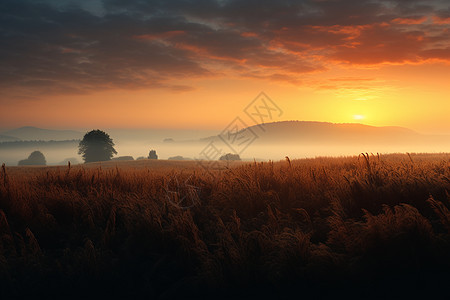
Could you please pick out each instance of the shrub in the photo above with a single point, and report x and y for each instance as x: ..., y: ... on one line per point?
x: 230, y: 156
x: 35, y: 158
x: 152, y: 154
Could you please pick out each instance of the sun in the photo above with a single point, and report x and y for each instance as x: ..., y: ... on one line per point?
x: 359, y: 117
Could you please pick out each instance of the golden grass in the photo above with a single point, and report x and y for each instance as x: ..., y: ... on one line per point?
x: 162, y: 228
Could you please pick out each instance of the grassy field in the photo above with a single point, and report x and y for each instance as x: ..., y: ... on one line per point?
x: 367, y: 226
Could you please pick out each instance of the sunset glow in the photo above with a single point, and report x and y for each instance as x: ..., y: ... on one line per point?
x: 334, y: 61
x: 358, y: 117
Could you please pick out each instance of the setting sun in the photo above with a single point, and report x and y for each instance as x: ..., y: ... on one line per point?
x: 359, y: 117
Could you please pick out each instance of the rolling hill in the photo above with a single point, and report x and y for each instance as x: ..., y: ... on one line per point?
x: 323, y: 133
x: 29, y: 133
x: 7, y: 138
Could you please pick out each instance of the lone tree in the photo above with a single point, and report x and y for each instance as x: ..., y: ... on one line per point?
x: 152, y: 155
x: 96, y: 145
x: 36, y: 158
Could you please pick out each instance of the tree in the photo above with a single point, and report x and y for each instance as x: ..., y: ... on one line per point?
x: 96, y: 145
x: 35, y: 158
x: 230, y: 156
x: 152, y: 155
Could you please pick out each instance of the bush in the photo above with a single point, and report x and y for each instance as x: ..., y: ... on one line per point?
x: 152, y: 154
x: 36, y: 158
x: 230, y: 156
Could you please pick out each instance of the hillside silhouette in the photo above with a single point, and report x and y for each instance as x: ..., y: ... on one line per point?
x: 30, y: 133
x: 324, y: 133
x: 7, y: 138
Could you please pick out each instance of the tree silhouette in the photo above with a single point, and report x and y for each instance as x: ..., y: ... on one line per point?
x: 96, y: 145
x: 35, y: 158
x: 230, y: 156
x: 152, y: 155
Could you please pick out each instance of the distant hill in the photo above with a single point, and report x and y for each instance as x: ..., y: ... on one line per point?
x: 323, y: 133
x: 330, y: 133
x: 38, y: 144
x: 30, y: 133
x: 7, y: 138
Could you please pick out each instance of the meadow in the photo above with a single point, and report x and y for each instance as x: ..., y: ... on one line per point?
x: 368, y: 226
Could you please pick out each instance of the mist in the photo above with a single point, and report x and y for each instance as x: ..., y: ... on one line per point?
x: 273, y: 142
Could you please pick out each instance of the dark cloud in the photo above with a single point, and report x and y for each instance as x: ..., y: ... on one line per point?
x: 55, y: 51
x: 82, y: 46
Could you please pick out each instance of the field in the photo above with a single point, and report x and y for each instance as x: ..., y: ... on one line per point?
x: 370, y: 226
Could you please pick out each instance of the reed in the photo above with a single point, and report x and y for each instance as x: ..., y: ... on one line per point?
x: 258, y: 228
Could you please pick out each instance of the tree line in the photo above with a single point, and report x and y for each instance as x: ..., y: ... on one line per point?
x: 96, y: 146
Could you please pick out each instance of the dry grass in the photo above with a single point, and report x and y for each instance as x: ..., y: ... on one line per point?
x: 169, y: 229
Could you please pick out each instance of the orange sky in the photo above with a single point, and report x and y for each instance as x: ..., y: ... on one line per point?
x: 400, y: 95
x: 343, y: 64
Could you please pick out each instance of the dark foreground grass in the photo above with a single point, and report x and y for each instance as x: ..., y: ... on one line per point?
x: 360, y: 227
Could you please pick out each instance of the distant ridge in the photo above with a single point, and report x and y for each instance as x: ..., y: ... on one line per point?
x: 7, y: 138
x: 30, y: 133
x: 37, y: 144
x: 324, y: 132
x: 321, y: 133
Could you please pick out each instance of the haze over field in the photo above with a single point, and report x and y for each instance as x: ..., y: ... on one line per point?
x: 271, y: 141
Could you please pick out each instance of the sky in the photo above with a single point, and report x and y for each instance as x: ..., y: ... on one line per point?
x: 198, y: 64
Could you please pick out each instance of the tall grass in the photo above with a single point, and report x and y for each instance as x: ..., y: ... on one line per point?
x: 256, y: 229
